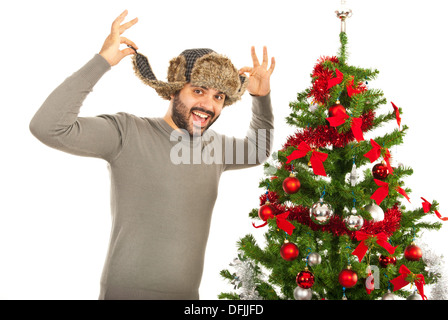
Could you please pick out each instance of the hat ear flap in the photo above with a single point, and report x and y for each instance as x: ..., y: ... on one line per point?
x: 177, y: 69
x: 142, y: 68
x: 244, y: 81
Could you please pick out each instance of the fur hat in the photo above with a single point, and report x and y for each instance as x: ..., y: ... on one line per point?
x: 200, y: 67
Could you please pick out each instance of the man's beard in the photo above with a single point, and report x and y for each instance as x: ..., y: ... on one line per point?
x: 181, y: 117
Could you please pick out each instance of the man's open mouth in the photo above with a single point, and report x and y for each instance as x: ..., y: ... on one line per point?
x: 200, y: 118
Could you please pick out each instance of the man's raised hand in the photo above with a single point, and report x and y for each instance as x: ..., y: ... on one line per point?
x: 111, y: 47
x: 259, y: 74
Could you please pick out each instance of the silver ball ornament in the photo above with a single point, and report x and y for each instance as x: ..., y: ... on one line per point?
x: 354, y: 222
x: 414, y: 296
x: 388, y: 296
x: 321, y: 212
x: 314, y: 259
x: 375, y: 211
x: 302, y: 294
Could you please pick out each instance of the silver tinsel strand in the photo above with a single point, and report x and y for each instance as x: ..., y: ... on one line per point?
x: 244, y: 277
x: 435, y: 264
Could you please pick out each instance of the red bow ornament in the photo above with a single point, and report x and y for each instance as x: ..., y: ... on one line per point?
x: 427, y: 208
x: 337, y: 120
x: 356, y: 129
x: 375, y: 153
x: 317, y: 158
x: 383, y: 191
x: 397, y: 114
x: 356, y: 124
x: 406, y: 277
x: 282, y: 223
x: 381, y: 240
x: 336, y: 80
x: 351, y: 91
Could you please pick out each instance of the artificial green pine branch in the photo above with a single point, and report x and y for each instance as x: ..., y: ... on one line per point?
x: 228, y: 296
x: 267, y: 291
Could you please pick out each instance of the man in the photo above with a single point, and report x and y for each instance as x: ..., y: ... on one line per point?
x: 162, y: 195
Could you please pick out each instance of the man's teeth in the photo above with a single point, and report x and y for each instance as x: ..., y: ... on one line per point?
x: 200, y: 115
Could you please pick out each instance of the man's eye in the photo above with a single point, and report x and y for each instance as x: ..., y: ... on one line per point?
x: 198, y: 91
x: 219, y: 97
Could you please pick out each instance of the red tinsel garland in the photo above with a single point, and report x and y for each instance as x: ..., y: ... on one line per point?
x: 336, y: 226
x: 323, y: 135
x: 319, y: 90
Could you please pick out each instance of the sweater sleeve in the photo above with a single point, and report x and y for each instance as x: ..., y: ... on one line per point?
x: 57, y: 124
x: 255, y: 148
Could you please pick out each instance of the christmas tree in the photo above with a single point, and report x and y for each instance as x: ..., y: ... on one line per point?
x: 334, y: 209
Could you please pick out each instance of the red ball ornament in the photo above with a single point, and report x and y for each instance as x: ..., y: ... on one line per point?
x: 380, y: 171
x: 348, y: 278
x: 412, y: 252
x: 266, y: 211
x: 291, y: 184
x: 289, y: 251
x: 387, y: 260
x: 305, y: 279
x: 337, y: 109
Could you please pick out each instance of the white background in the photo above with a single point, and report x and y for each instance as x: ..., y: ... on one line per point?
x: 54, y: 207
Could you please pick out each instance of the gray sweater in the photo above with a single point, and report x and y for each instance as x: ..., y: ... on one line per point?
x: 163, y: 185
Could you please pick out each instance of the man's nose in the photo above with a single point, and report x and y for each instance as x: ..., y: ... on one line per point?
x: 207, y: 102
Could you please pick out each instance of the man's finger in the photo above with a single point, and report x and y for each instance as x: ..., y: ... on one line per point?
x: 245, y: 69
x: 265, y: 57
x: 127, y: 52
x: 127, y: 25
x: 124, y: 40
x: 118, y: 21
x: 272, y: 67
x: 254, y: 57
